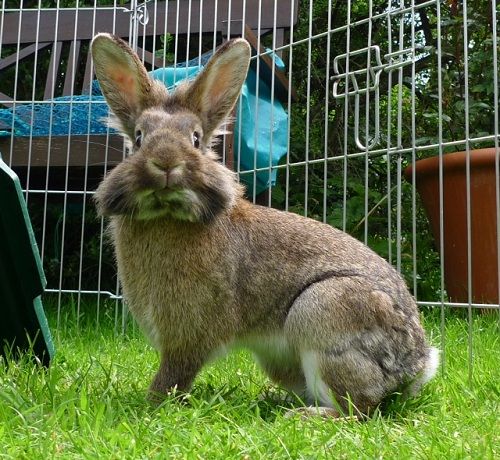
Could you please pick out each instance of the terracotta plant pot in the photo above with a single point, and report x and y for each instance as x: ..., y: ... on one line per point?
x: 484, y: 209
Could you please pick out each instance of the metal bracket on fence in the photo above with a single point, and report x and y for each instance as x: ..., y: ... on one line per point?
x: 343, y: 81
x: 139, y: 15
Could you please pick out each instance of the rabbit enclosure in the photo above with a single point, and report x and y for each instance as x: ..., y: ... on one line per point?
x: 343, y: 101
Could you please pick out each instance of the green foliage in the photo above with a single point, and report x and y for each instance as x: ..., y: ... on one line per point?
x: 66, y: 244
x: 166, y: 51
x: 356, y: 187
x: 466, y: 74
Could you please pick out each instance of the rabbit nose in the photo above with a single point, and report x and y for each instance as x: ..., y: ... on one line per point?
x: 173, y: 175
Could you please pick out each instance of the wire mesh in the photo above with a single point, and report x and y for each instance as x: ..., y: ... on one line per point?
x: 369, y: 90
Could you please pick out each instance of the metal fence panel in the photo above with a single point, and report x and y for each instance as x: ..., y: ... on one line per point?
x: 368, y: 90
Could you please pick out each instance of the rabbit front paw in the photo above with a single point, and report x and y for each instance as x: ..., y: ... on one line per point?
x: 174, y: 376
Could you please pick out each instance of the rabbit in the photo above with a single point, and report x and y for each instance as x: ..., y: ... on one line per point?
x: 204, y: 270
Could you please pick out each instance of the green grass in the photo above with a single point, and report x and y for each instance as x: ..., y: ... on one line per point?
x: 91, y: 404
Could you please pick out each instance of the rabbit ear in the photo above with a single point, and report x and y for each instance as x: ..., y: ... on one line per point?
x: 215, y: 91
x: 123, y: 79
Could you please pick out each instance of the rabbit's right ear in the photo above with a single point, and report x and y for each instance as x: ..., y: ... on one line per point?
x: 123, y: 79
x: 216, y: 89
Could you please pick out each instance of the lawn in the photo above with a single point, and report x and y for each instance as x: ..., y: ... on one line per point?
x: 91, y: 404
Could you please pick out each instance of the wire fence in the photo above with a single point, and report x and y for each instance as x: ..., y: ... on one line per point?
x: 349, y: 96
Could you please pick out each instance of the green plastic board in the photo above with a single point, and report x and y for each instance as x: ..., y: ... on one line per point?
x: 23, y: 325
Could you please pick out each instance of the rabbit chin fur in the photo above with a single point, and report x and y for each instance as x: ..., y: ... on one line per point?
x: 203, y: 270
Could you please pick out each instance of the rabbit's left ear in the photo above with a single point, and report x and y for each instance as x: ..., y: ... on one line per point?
x: 124, y: 81
x: 215, y: 91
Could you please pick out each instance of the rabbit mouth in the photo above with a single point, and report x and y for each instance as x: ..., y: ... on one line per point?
x: 178, y: 204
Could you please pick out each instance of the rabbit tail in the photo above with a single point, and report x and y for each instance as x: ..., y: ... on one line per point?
x: 426, y: 374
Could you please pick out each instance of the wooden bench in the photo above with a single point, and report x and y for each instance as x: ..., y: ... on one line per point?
x: 62, y: 38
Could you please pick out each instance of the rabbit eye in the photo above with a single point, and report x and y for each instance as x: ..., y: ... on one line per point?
x: 138, y: 138
x: 196, y: 139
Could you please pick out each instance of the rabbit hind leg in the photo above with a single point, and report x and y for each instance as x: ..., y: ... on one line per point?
x: 332, y: 386
x: 279, y: 361
x: 336, y: 389
x: 286, y: 376
x: 349, y: 384
x: 348, y: 360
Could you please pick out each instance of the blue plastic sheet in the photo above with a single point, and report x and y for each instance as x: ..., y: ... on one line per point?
x: 261, y: 126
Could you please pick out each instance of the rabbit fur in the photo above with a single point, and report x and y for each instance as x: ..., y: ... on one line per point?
x: 203, y: 269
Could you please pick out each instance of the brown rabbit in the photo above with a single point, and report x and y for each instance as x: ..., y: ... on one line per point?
x: 203, y: 269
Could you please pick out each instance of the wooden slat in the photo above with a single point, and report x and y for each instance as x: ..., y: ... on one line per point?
x: 279, y: 39
x: 65, y: 19
x: 52, y: 72
x: 88, y: 74
x: 281, y: 83
x: 23, y: 53
x: 71, y: 69
x: 6, y: 101
x: 150, y: 58
x: 59, y: 149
